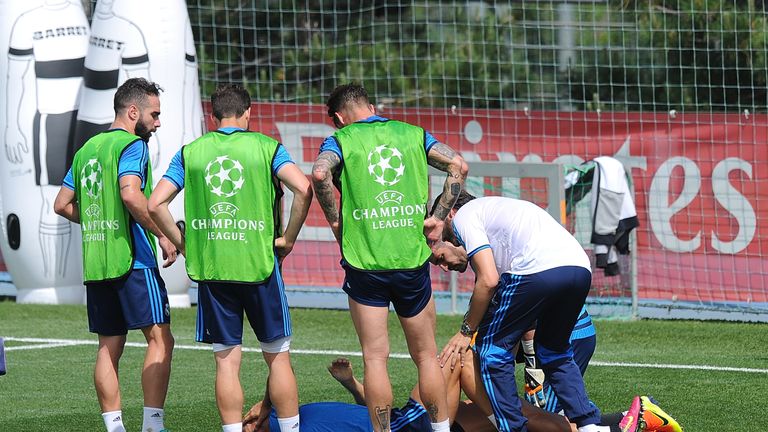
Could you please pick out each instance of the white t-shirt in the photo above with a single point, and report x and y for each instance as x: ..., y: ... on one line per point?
x: 524, y: 238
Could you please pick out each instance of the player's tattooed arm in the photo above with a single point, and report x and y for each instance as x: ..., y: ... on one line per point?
x: 325, y: 166
x: 446, y: 159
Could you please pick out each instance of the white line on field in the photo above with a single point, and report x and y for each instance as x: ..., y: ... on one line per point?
x: 55, y: 343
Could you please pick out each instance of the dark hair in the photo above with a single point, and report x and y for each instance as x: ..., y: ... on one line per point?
x: 464, y: 197
x: 135, y: 92
x: 344, y: 95
x: 230, y: 100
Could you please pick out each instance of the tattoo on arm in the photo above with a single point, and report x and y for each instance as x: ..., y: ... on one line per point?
x: 440, y: 156
x: 443, y: 158
x: 325, y: 165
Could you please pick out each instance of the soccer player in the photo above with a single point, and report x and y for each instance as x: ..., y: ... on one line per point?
x: 106, y: 191
x: 380, y: 168
x: 528, y: 269
x: 234, y: 245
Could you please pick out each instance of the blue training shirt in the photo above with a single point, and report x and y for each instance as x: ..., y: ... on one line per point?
x: 329, y: 417
x: 175, y: 172
x: 330, y: 143
x: 133, y: 161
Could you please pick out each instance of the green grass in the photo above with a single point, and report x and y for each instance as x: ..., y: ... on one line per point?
x: 51, y: 388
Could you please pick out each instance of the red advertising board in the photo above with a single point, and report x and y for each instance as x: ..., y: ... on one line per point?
x: 699, y: 179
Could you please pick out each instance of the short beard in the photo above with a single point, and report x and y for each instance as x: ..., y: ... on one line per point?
x: 143, y: 132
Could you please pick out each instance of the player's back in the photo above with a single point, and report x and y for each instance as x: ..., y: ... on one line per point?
x: 524, y: 238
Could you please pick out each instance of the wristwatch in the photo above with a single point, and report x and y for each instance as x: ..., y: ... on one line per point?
x: 466, y: 330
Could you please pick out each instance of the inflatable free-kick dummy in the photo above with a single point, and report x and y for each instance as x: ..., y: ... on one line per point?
x: 42, y: 49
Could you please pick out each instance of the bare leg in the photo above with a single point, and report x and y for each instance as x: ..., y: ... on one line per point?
x: 420, y: 335
x: 371, y: 326
x: 475, y: 416
x: 229, y: 393
x: 157, y: 364
x: 283, y: 391
x: 105, y: 372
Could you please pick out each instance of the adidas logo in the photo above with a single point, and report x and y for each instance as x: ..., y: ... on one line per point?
x: 156, y: 415
x: 295, y: 425
x: 117, y: 419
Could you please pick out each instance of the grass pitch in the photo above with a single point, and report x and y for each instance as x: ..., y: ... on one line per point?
x: 708, y: 375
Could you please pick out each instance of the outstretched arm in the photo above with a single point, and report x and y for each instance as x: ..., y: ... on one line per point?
x: 445, y: 159
x: 257, y: 418
x: 341, y: 370
x: 136, y: 203
x: 486, y: 280
x: 157, y: 206
x: 322, y: 180
x: 297, y: 182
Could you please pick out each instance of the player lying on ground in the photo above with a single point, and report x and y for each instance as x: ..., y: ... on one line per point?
x: 336, y: 416
x: 469, y: 415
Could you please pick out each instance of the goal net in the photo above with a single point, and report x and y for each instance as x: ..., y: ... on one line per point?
x: 675, y: 90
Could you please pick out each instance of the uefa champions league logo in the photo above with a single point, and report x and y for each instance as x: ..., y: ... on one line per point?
x: 224, y: 176
x: 90, y: 178
x: 386, y: 166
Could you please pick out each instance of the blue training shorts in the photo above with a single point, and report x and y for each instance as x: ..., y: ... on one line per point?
x: 220, y: 307
x: 135, y: 301
x: 409, y: 291
x: 412, y: 417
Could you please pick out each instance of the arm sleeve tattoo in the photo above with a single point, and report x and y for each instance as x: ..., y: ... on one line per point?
x: 446, y: 159
x: 322, y: 179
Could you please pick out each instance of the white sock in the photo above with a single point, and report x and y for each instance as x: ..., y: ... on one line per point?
x: 289, y: 424
x: 492, y: 419
x: 113, y: 420
x: 153, y: 420
x: 528, y: 347
x: 443, y: 426
x: 594, y: 428
x: 232, y: 427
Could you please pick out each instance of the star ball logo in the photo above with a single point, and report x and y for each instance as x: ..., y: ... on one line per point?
x: 224, y: 176
x: 386, y: 166
x: 90, y: 178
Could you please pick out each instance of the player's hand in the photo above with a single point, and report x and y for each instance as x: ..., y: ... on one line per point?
x: 534, y: 387
x: 257, y: 418
x: 169, y: 251
x: 15, y: 145
x: 282, y: 249
x: 454, y: 350
x: 433, y: 229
